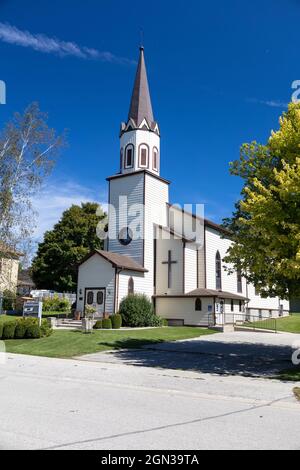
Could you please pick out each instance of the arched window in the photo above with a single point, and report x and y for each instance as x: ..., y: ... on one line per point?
x: 155, y: 159
x: 90, y: 298
x: 218, y: 271
x: 129, y: 156
x: 144, y: 156
x: 100, y: 298
x: 239, y: 281
x: 198, y: 305
x: 131, y: 286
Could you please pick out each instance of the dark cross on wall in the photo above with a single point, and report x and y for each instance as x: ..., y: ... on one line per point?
x: 169, y: 263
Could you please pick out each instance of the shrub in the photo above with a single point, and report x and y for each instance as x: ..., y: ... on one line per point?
x: 9, y: 330
x: 98, y: 325
x: 116, y: 321
x: 33, y: 332
x: 9, y: 300
x: 137, y: 311
x: 46, y: 329
x: 55, y: 304
x: 164, y: 322
x: 21, y: 327
x: 1, y: 329
x: 106, y: 324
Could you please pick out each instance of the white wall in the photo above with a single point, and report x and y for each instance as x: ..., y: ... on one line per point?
x: 96, y: 272
x: 184, y: 309
x: 215, y: 243
x: 190, y: 267
x: 176, y: 247
x: 139, y: 283
x: 133, y: 188
x: 136, y: 138
x: 156, y: 198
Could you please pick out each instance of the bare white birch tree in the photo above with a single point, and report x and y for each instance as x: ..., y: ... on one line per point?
x: 28, y: 151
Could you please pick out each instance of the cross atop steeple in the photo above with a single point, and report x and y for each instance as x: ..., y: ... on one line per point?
x: 140, y: 106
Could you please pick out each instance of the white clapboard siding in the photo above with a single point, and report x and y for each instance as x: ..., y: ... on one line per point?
x: 201, y: 268
x: 163, y: 247
x: 190, y: 267
x: 214, y: 243
x: 138, y: 279
x: 156, y: 198
x: 257, y: 302
x: 184, y: 309
x: 132, y: 187
x: 96, y: 272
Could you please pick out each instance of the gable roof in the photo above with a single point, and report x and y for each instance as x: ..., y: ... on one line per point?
x: 207, y: 223
x: 207, y: 293
x: 117, y: 261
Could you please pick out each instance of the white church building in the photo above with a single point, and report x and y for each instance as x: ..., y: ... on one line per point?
x: 151, y: 246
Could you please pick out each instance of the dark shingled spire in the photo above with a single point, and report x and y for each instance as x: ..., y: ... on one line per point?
x: 140, y: 106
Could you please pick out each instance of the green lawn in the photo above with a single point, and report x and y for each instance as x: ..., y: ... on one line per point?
x: 290, y: 375
x: 75, y: 343
x: 289, y: 324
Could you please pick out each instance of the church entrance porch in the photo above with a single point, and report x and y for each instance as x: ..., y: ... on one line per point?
x: 95, y: 298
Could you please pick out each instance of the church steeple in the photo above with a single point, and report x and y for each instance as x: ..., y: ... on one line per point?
x: 140, y: 137
x: 140, y: 106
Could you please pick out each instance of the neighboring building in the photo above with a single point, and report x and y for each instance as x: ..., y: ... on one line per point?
x: 185, y: 278
x: 25, y: 283
x: 9, y: 268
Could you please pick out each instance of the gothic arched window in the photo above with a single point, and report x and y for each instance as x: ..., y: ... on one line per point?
x: 129, y: 156
x: 155, y: 159
x: 131, y: 286
x: 218, y: 271
x: 144, y: 156
x: 198, y: 305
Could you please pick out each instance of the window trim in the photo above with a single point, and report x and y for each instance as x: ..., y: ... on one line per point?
x: 155, y: 150
x: 198, y: 303
x: 129, y: 147
x: 218, y: 267
x: 141, y: 146
x: 131, y: 286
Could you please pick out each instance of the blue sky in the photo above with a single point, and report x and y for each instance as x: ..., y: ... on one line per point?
x: 220, y: 74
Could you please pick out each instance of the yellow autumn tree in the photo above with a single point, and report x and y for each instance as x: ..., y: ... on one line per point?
x: 266, y: 224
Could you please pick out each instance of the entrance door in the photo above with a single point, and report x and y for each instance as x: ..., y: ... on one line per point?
x: 220, y: 312
x: 95, y: 298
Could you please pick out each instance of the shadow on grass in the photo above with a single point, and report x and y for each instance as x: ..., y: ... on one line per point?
x: 247, y: 359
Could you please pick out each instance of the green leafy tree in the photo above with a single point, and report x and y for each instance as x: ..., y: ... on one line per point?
x: 266, y: 224
x: 72, y: 238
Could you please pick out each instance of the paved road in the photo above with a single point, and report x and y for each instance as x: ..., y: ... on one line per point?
x: 70, y: 404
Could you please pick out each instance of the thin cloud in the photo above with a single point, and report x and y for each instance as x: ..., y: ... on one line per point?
x: 270, y: 103
x: 42, y: 43
x: 54, y: 199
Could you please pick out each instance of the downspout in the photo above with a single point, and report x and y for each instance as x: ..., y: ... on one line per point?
x: 118, y: 271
